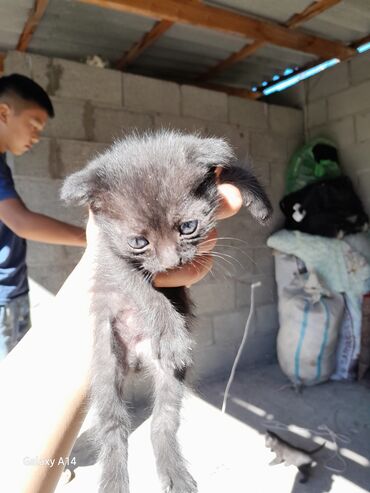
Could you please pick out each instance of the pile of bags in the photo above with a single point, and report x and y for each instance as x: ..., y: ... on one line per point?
x: 322, y: 263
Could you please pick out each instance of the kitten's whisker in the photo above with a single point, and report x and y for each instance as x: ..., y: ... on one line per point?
x: 219, y: 257
x: 223, y: 245
x: 230, y: 256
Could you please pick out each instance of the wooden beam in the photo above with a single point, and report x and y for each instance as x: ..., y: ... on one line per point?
x: 148, y: 39
x: 225, y: 21
x: 31, y: 24
x: 315, y: 8
x: 362, y: 41
x: 232, y: 91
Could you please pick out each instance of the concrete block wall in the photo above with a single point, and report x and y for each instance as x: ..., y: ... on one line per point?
x: 93, y: 106
x: 336, y: 104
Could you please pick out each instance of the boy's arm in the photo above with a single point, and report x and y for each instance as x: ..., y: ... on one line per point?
x: 38, y: 227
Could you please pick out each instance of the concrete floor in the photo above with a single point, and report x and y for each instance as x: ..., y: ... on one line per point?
x: 226, y: 453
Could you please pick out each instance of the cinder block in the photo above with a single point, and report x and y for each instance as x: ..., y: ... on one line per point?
x: 236, y: 136
x: 74, y: 80
x: 110, y: 124
x: 359, y: 68
x: 329, y: 82
x: 45, y: 254
x: 247, y: 113
x: 35, y: 162
x: 317, y: 113
x: 202, y: 331
x: 285, y: 121
x: 349, y: 102
x: 51, y: 277
x: 42, y: 195
x: 267, y: 318
x: 362, y: 184
x: 263, y: 295
x: 263, y: 261
x: 342, y: 131
x: 34, y: 66
x: 355, y: 157
x: 185, y: 124
x: 213, y: 362
x: 259, y: 350
x: 268, y: 146
x: 202, y: 103
x: 362, y: 125
x: 293, y: 144
x: 213, y: 297
x: 72, y: 155
x: 260, y: 169
x: 69, y: 120
x: 150, y: 95
x: 229, y: 327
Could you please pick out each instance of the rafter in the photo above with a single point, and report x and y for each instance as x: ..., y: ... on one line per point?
x: 225, y: 21
x: 31, y: 24
x: 147, y: 40
x: 315, y: 8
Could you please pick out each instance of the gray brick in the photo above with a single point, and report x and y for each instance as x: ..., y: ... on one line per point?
x: 247, y: 113
x: 229, y: 327
x: 34, y: 66
x: 268, y: 146
x: 44, y: 254
x: 349, y: 102
x: 260, y: 349
x: 111, y: 123
x: 236, y: 136
x: 342, y: 131
x: 264, y: 261
x: 330, y: 81
x: 317, y: 113
x: 50, y: 277
x: 34, y: 162
x: 285, y: 121
x: 186, y: 124
x: 214, y: 361
x: 267, y: 318
x: 202, y: 103
x: 355, y: 157
x: 213, y: 297
x: 150, y: 95
x: 68, y: 122
x: 360, y: 68
x: 362, y: 124
x: 293, y: 144
x: 42, y: 195
x: 263, y: 295
x: 79, y: 81
x: 202, y: 331
x: 73, y: 155
x: 260, y: 168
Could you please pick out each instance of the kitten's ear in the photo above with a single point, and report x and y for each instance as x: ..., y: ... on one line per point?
x: 82, y: 188
x: 210, y: 151
x: 253, y: 194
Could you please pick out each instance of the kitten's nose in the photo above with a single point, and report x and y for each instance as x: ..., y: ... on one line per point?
x: 169, y: 257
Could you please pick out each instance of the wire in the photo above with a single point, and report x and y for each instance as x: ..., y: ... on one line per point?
x: 246, y: 330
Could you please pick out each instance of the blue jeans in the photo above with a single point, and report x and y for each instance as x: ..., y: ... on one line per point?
x: 15, y: 321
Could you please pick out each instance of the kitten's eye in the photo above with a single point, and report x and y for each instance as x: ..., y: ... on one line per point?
x: 188, y: 227
x: 138, y: 242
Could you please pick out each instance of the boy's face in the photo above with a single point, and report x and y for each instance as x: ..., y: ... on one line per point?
x: 21, y: 129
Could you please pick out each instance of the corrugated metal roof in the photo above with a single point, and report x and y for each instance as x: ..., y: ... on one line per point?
x: 74, y: 30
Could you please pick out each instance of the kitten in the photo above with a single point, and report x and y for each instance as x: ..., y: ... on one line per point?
x: 154, y: 199
x: 291, y: 455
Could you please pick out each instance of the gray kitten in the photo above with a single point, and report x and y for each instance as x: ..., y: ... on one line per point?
x: 154, y: 199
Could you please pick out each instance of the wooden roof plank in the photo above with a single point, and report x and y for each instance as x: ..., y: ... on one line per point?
x: 314, y: 9
x: 147, y: 40
x: 31, y: 24
x: 225, y: 21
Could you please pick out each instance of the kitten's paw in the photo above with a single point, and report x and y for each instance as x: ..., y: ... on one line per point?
x: 184, y: 483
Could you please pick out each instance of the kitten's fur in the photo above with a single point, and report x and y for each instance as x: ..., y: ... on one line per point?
x: 291, y: 455
x: 149, y: 187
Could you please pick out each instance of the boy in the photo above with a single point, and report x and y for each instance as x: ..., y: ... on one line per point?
x: 24, y: 110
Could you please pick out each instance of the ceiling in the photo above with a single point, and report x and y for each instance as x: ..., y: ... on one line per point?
x: 184, y: 52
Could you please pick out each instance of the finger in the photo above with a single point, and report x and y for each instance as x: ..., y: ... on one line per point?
x: 185, y: 276
x: 208, y: 243
x: 230, y: 200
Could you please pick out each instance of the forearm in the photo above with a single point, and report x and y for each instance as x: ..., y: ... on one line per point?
x: 38, y: 227
x: 43, y: 384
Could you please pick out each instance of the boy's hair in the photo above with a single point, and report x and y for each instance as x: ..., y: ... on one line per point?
x: 26, y: 89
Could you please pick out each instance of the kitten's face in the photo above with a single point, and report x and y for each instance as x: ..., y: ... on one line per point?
x: 157, y: 223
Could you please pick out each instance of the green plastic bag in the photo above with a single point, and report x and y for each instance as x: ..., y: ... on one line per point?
x: 304, y: 169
